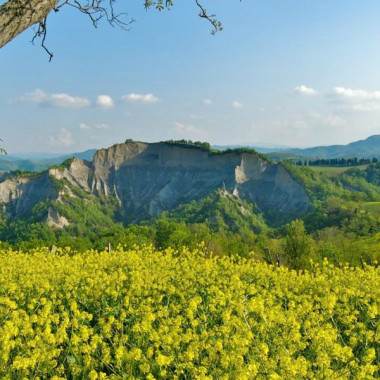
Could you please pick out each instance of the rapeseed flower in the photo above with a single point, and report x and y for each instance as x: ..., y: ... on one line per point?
x: 159, y: 315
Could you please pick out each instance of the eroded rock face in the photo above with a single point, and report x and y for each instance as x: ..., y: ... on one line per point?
x: 21, y: 194
x: 79, y: 173
x: 55, y: 220
x: 150, y: 178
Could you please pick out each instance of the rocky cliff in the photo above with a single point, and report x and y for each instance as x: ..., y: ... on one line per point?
x: 148, y: 178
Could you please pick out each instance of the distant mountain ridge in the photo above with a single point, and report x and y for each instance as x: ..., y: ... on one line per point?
x: 39, y: 162
x: 367, y: 148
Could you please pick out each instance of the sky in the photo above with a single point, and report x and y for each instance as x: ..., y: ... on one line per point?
x: 281, y: 73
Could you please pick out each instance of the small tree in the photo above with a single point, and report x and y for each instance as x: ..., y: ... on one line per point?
x: 298, y: 244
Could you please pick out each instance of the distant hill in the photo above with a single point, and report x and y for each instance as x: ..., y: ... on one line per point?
x: 367, y: 148
x: 36, y: 163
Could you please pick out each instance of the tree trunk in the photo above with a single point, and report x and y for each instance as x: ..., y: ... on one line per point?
x: 18, y: 15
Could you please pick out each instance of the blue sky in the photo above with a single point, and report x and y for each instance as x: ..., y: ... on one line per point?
x: 281, y: 73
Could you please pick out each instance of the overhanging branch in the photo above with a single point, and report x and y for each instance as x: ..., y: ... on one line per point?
x: 18, y: 15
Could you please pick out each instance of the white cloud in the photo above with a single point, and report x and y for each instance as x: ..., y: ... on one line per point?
x: 347, y: 98
x: 140, y: 98
x: 85, y: 126
x: 105, y: 101
x: 64, y: 138
x: 237, y: 105
x: 59, y: 100
x: 356, y: 99
x: 350, y: 93
x: 207, y: 102
x: 305, y: 90
x: 68, y: 101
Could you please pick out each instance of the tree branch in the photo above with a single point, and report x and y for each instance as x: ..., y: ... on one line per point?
x: 18, y: 15
x: 215, y: 23
x: 41, y: 33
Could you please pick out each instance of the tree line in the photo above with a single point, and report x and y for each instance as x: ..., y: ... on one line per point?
x: 339, y: 162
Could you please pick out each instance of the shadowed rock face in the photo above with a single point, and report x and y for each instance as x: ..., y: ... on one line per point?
x: 20, y: 194
x: 150, y: 178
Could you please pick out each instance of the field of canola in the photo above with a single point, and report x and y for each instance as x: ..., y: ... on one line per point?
x: 151, y: 315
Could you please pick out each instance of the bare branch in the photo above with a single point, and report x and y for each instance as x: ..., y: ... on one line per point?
x: 94, y: 9
x: 98, y: 10
x: 41, y: 33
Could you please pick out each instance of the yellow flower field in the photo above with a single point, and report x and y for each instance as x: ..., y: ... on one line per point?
x: 161, y: 315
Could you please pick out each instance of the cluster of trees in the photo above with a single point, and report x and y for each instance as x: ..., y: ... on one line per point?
x: 340, y: 162
x: 190, y: 144
x: 292, y: 245
x: 205, y: 146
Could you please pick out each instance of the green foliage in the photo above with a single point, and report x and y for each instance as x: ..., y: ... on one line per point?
x: 341, y: 200
x: 222, y: 211
x: 298, y: 244
x: 63, y: 165
x: 174, y: 234
x: 333, y: 171
x: 337, y: 162
x: 205, y: 146
x: 343, y: 225
x: 340, y: 247
x: 241, y: 150
x: 350, y: 185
